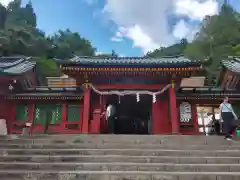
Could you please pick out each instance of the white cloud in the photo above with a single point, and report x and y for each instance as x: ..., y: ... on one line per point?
x: 181, y: 29
x: 146, y: 23
x: 139, y: 37
x: 184, y: 30
x: 119, y: 34
x: 116, y: 39
x: 5, y: 2
x: 196, y: 10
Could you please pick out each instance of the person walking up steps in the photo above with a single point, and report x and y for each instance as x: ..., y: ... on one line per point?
x: 228, y: 116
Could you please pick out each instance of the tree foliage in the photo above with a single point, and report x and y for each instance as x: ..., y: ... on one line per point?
x: 218, y: 38
x: 19, y: 35
x: 66, y: 44
x: 174, y: 50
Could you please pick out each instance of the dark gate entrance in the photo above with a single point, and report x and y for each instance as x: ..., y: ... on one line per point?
x: 132, y: 117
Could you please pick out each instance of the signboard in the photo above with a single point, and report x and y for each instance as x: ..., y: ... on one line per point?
x: 185, y: 112
x: 192, y: 82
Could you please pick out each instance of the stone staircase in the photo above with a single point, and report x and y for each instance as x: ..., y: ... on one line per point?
x: 119, y: 157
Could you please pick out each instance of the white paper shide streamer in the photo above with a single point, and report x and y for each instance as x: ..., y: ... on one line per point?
x: 138, y: 97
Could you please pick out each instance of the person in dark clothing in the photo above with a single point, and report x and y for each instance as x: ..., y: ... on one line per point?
x: 217, y: 127
x: 228, y: 115
x: 110, y: 115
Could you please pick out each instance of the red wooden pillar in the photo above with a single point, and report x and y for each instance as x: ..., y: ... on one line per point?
x: 12, y: 117
x: 31, y: 117
x: 160, y: 120
x: 96, y: 121
x: 86, y: 110
x: 31, y: 112
x: 173, y: 111
x: 63, y: 116
x: 104, y: 123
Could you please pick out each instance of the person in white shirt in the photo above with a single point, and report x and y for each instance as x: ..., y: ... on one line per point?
x: 228, y: 115
x: 110, y: 115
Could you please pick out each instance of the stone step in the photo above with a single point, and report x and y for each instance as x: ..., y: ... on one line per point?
x: 116, y: 175
x: 120, y: 167
x: 120, y: 146
x: 127, y: 139
x: 124, y: 137
x: 165, y: 142
x: 120, y: 159
x: 128, y: 152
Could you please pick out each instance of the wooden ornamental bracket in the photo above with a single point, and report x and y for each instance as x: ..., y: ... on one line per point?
x: 86, y: 82
x: 136, y: 71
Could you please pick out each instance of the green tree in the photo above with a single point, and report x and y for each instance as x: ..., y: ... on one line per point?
x: 46, y: 68
x: 29, y: 15
x: 215, y: 40
x: 104, y: 55
x: 236, y: 50
x: 18, y: 34
x: 174, y: 50
x: 66, y: 44
x: 3, y: 15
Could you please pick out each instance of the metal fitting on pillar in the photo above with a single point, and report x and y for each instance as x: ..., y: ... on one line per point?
x: 172, y: 83
x: 86, y: 82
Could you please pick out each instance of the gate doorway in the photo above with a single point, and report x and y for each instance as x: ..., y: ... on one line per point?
x: 132, y: 117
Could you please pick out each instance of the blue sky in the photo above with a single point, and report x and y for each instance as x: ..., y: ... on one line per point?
x: 130, y: 29
x: 80, y: 16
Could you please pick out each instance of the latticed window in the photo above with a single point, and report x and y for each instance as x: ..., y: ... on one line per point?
x: 22, y: 112
x: 185, y: 112
x: 73, y: 113
x: 39, y: 114
x: 49, y: 112
x: 56, y: 114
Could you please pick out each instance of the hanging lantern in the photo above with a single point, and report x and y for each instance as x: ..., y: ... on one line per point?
x: 138, y: 97
x: 154, y: 98
x: 119, y: 99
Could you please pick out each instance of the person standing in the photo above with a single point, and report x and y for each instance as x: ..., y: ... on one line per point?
x: 110, y: 115
x: 228, y: 116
